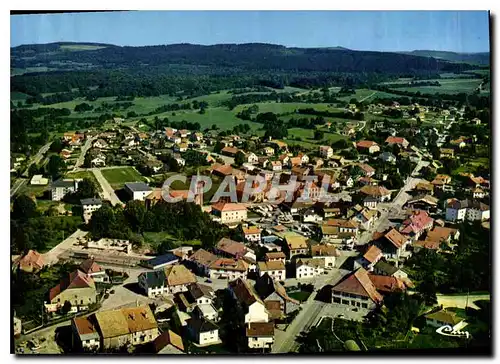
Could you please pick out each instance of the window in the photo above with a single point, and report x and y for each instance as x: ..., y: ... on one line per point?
x: 364, y: 305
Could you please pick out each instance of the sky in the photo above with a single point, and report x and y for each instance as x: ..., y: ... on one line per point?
x: 458, y: 31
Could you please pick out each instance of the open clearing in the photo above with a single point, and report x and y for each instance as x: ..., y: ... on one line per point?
x: 117, y: 177
x: 448, y: 86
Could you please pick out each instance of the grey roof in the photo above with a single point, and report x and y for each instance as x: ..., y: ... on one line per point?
x: 199, y: 290
x: 201, y: 324
x: 162, y: 259
x: 91, y: 201
x: 63, y: 183
x: 138, y: 186
x: 155, y: 279
x: 385, y: 267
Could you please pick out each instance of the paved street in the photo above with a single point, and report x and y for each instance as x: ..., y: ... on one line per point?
x: 84, y: 150
x: 108, y: 193
x: 225, y: 158
x: 52, y: 256
x: 38, y: 156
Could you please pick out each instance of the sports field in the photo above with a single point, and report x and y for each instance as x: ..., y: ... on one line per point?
x: 117, y: 177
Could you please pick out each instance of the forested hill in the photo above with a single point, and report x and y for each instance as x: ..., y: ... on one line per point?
x: 251, y: 56
x: 482, y: 58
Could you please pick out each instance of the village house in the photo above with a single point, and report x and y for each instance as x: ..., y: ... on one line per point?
x: 229, y: 213
x: 367, y: 218
x: 273, y: 293
x: 309, y: 268
x: 126, y: 326
x: 386, y: 285
x: 276, y: 166
x: 94, y: 271
x: 260, y: 335
x: 229, y: 151
x: 357, y: 290
x: 326, y: 252
x: 177, y: 279
x: 152, y: 283
x: 444, y: 318
x: 344, y: 226
x: 367, y: 146
x: 460, y: 210
x: 89, y: 205
x: 386, y: 269
x: 446, y: 153
x: 101, y: 144
x: 387, y: 157
x: 167, y: 343
x: 275, y: 257
x: 206, y: 311
x: 416, y: 224
x: 252, y: 306
x: 424, y: 187
x: 252, y: 233
x: 204, y: 332
x: 31, y: 262
x: 160, y: 261
x: 376, y: 193
x: 275, y: 270
x: 297, y: 245
x: 368, y: 260
x: 400, y: 142
x: 251, y: 158
x: 228, y: 268
x: 426, y: 203
x: 268, y: 151
x: 202, y: 260
x: 367, y: 170
x: 39, y: 180
x: 77, y: 288
x: 325, y: 151
x: 84, y: 334
x: 392, y: 243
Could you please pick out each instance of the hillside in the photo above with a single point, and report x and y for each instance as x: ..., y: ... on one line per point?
x: 251, y: 56
x: 482, y: 58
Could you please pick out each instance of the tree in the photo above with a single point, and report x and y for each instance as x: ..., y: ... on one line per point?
x: 55, y: 166
x: 135, y: 213
x: 318, y: 134
x: 66, y: 307
x: 239, y: 158
x: 87, y: 188
x: 24, y: 208
x: 56, y: 146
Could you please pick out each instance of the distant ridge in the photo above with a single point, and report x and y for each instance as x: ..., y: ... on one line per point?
x: 481, y: 58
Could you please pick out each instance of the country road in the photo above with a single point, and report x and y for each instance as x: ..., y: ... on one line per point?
x: 17, y: 185
x: 367, y: 97
x: 108, y: 193
x: 461, y: 300
x: 81, y: 158
x: 38, y: 156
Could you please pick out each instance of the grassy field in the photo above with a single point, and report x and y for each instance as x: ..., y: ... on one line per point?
x: 117, y: 177
x: 80, y: 47
x: 300, y: 295
x: 366, y: 95
x: 18, y: 96
x: 448, y: 86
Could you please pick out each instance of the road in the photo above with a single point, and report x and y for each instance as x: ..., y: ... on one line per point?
x: 85, y: 148
x: 460, y: 300
x: 18, y: 183
x: 108, y: 193
x: 52, y: 256
x: 367, y: 97
x: 308, y: 316
x: 225, y: 158
x: 38, y: 156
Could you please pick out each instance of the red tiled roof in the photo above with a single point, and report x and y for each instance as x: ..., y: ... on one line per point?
x: 32, y: 260
x: 231, y: 247
x: 372, y: 253
x: 365, y: 144
x: 75, y: 280
x: 387, y: 284
x: 360, y: 284
x: 224, y: 206
x: 89, y: 266
x: 395, y: 140
x: 395, y: 238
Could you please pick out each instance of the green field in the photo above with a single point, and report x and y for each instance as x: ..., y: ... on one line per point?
x: 367, y: 95
x: 80, y: 47
x: 448, y: 86
x: 117, y: 177
x: 307, y: 136
x: 18, y: 96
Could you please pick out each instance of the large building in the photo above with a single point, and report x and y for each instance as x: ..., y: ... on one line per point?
x: 61, y: 188
x: 229, y: 213
x: 137, y: 190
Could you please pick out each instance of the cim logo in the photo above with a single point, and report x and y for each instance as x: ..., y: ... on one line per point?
x: 447, y: 330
